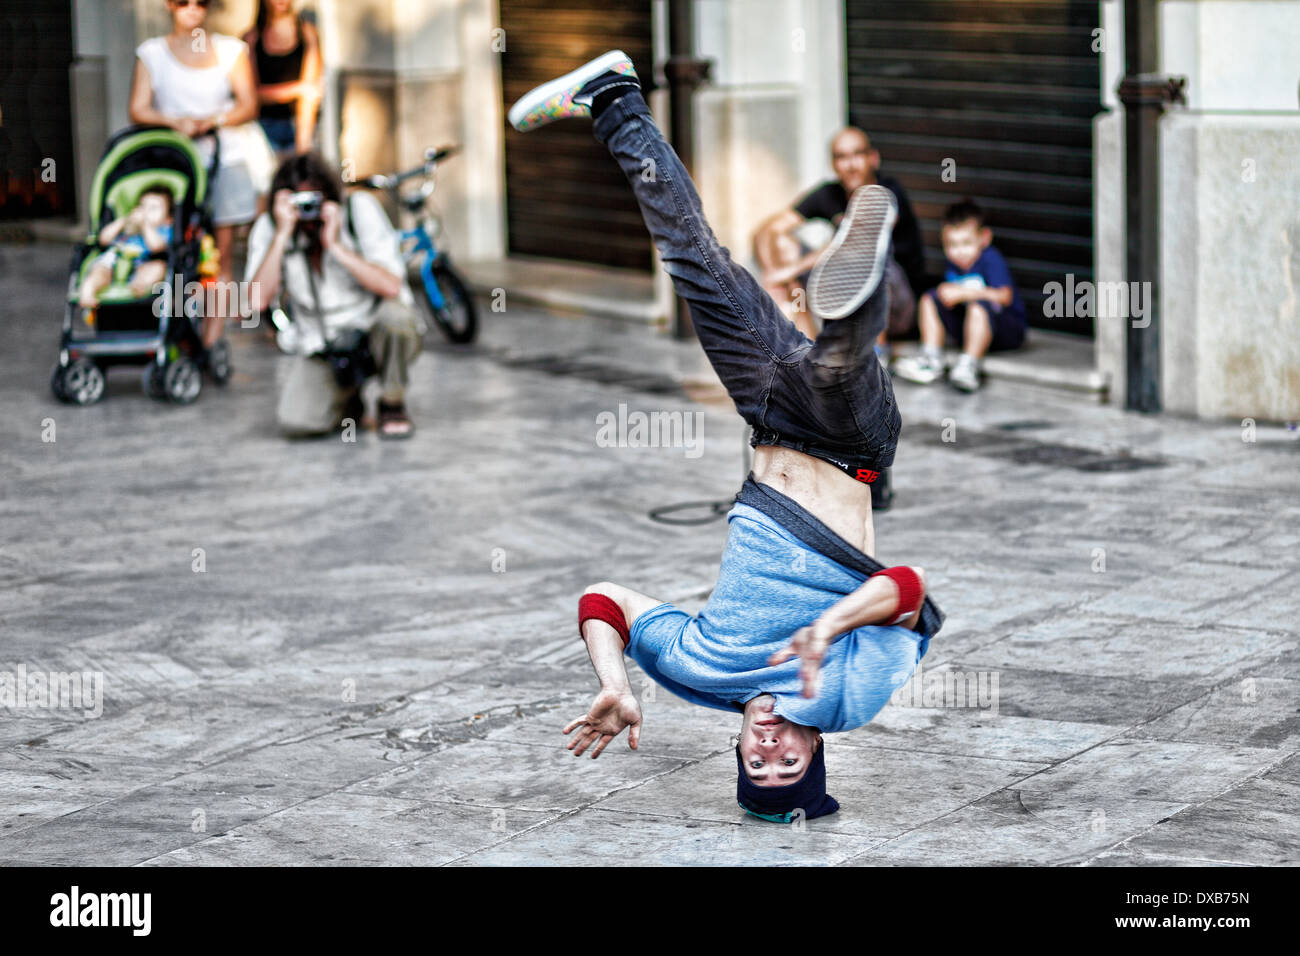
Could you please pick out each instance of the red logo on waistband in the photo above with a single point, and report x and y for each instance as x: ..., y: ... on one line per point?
x: 867, y: 475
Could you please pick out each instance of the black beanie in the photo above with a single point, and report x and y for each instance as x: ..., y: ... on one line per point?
x: 779, y: 803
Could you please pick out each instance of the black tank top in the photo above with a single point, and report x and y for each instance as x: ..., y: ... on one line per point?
x: 281, y: 68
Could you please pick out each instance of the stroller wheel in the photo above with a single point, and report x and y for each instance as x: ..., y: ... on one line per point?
x: 56, y: 384
x: 152, y: 381
x: 182, y: 381
x: 219, y: 361
x: 81, y: 383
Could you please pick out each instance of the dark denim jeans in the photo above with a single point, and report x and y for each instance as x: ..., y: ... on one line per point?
x: 829, y: 398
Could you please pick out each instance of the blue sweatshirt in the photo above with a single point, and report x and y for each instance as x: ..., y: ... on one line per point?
x: 772, y: 583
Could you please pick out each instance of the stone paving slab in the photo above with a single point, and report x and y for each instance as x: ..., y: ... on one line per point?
x: 1117, y: 702
x: 191, y: 729
x: 975, y: 733
x: 1111, y: 646
x: 1151, y: 770
x: 1263, y: 712
x: 156, y: 819
x: 349, y: 829
x: 1255, y: 824
x: 514, y: 776
x: 47, y: 785
x: 599, y: 837
x: 1034, y: 828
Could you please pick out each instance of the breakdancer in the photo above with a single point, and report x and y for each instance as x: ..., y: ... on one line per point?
x: 804, y: 633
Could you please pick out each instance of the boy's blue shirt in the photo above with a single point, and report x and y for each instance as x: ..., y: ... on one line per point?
x: 992, y: 270
x: 771, y: 584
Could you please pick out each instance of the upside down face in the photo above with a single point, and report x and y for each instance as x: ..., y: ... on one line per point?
x: 774, y: 752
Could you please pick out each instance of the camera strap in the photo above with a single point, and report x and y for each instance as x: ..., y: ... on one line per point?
x: 352, y: 231
x: 318, y: 314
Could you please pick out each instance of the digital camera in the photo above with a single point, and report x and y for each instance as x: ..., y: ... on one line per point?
x: 308, y: 204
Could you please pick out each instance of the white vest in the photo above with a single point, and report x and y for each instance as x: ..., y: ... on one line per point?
x: 200, y: 92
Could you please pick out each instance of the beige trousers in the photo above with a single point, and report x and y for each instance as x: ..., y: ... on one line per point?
x: 311, y: 401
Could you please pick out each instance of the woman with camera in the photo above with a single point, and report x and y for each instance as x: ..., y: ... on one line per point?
x: 340, y: 265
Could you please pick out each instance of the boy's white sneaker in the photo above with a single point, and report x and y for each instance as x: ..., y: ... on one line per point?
x: 923, y: 369
x: 965, y: 375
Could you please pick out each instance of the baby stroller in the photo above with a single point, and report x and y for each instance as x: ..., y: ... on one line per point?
x: 160, y: 331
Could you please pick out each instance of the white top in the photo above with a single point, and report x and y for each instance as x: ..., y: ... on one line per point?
x: 181, y: 90
x: 345, y: 304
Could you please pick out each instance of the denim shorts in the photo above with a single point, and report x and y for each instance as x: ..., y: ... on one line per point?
x: 1007, y: 324
x: 281, y: 132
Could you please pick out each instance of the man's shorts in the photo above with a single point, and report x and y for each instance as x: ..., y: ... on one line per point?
x: 902, y: 301
x: 1008, y: 326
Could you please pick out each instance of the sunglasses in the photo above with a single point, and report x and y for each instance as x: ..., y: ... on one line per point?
x: 191, y: 3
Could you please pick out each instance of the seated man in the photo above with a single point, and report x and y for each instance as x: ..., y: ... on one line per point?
x: 796, y: 570
x: 977, y: 304
x: 342, y: 272
x: 785, y: 263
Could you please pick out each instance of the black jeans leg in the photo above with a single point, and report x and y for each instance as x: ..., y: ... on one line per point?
x: 743, y: 331
x: 824, y: 398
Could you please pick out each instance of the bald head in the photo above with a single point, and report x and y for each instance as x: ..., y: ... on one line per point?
x: 854, y: 161
x: 850, y: 137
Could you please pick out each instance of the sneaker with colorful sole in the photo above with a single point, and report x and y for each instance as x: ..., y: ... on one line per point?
x: 571, y: 94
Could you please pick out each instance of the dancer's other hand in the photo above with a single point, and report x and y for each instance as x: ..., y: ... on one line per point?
x: 809, y: 645
x: 611, y: 712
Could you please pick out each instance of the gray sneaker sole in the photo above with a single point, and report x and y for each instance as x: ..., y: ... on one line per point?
x: 853, y: 265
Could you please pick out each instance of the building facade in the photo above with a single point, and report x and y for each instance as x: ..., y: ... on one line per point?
x: 1011, y: 102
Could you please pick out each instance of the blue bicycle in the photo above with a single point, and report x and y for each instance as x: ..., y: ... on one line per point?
x: 438, y: 288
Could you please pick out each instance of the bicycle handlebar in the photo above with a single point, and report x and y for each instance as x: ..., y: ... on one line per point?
x: 431, y: 158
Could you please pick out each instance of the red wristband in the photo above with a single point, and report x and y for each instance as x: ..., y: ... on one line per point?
x: 602, y: 609
x: 910, y: 591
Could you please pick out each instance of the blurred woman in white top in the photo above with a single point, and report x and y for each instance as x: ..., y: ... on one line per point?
x: 199, y: 82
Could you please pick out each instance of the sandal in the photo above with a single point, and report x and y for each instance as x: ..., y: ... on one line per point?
x: 393, y: 422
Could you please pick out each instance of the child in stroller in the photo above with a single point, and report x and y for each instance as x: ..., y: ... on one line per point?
x: 135, y: 240
x: 124, y: 321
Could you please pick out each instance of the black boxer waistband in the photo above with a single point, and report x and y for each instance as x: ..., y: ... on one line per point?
x: 864, y: 469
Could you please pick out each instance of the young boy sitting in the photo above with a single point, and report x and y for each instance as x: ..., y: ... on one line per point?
x: 978, y: 303
x: 141, y: 233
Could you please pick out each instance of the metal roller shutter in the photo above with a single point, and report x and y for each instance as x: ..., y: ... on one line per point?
x: 565, y: 197
x: 1008, y: 90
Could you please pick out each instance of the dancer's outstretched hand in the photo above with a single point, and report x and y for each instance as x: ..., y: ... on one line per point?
x: 809, y: 645
x: 610, y: 713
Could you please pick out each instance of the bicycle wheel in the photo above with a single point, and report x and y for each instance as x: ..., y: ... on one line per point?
x: 458, y: 318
